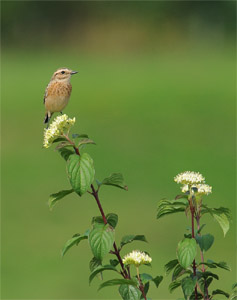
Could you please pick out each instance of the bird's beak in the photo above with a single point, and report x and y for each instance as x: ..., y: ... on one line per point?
x: 74, y: 72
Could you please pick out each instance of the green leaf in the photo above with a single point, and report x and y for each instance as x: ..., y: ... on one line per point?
x: 234, y: 285
x: 129, y: 292
x: 233, y: 296
x: 85, y: 141
x: 63, y: 144
x: 60, y: 139
x: 221, y: 215
x: 74, y: 241
x: 157, y: 280
x: 97, y: 219
x: 220, y: 292
x: 76, y: 135
x: 170, y: 266
x: 207, y: 274
x: 114, y: 262
x: 174, y: 285
x: 66, y: 153
x: 212, y: 264
x: 94, y: 263
x: 100, y: 269
x: 112, y: 219
x: 145, y: 278
x: 115, y: 179
x: 113, y: 282
x: 54, y: 198
x: 205, y: 241
x: 179, y: 271
x: 186, y: 252
x: 101, y: 240
x: 167, y: 207
x: 130, y: 238
x: 81, y: 172
x: 188, y: 285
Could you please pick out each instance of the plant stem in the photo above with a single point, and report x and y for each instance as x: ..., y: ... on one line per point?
x: 192, y: 209
x: 141, y: 287
x: 124, y: 272
x: 202, y: 260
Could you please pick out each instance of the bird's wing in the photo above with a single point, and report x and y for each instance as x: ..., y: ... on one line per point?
x: 46, y: 93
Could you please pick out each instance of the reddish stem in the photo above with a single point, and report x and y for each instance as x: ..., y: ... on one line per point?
x: 202, y: 259
x: 192, y: 209
x: 124, y: 272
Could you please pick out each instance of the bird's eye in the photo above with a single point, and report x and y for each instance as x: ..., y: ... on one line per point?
x: 62, y: 72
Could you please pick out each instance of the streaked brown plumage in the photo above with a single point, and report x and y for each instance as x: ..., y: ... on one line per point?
x: 57, y: 92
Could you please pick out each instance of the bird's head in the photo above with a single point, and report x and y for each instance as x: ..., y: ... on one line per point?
x: 63, y: 74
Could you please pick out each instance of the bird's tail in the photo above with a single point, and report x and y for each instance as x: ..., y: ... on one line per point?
x: 47, y: 117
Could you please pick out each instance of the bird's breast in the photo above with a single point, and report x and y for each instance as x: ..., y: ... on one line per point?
x: 58, y: 95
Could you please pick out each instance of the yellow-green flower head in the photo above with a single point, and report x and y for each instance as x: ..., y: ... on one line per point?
x: 56, y: 129
x: 189, y: 178
x: 203, y: 189
x: 136, y: 258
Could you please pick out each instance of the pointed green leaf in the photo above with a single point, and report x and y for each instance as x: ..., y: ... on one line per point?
x: 186, y: 252
x: 167, y: 207
x: 74, y: 241
x: 174, y: 285
x: 76, y: 135
x: 59, y: 139
x: 81, y: 172
x: 54, y: 198
x: 157, y: 280
x: 234, y: 285
x: 115, y: 179
x: 207, y: 274
x: 145, y: 278
x: 94, y: 263
x: 130, y: 238
x: 179, y: 271
x: 112, y: 219
x: 114, y: 262
x: 101, y: 240
x: 223, y: 221
x: 66, y: 153
x: 221, y: 215
x: 129, y: 292
x: 97, y: 219
x: 100, y: 269
x: 220, y: 292
x: 63, y: 144
x: 211, y: 264
x: 188, y: 285
x: 233, y: 296
x: 85, y: 141
x: 170, y: 266
x: 113, y: 282
x: 205, y: 241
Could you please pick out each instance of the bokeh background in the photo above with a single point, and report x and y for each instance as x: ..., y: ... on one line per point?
x: 156, y: 91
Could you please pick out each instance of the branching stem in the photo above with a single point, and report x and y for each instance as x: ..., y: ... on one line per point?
x: 116, y: 251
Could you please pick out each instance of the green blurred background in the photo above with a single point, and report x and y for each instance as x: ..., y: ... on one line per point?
x: 156, y: 91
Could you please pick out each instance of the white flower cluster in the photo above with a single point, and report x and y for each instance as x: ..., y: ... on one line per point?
x: 189, y: 178
x: 203, y: 189
x: 56, y: 129
x: 136, y: 258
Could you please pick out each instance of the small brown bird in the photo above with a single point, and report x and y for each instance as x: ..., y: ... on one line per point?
x: 57, y: 92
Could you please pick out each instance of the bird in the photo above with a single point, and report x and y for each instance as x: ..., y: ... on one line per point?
x: 57, y: 92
